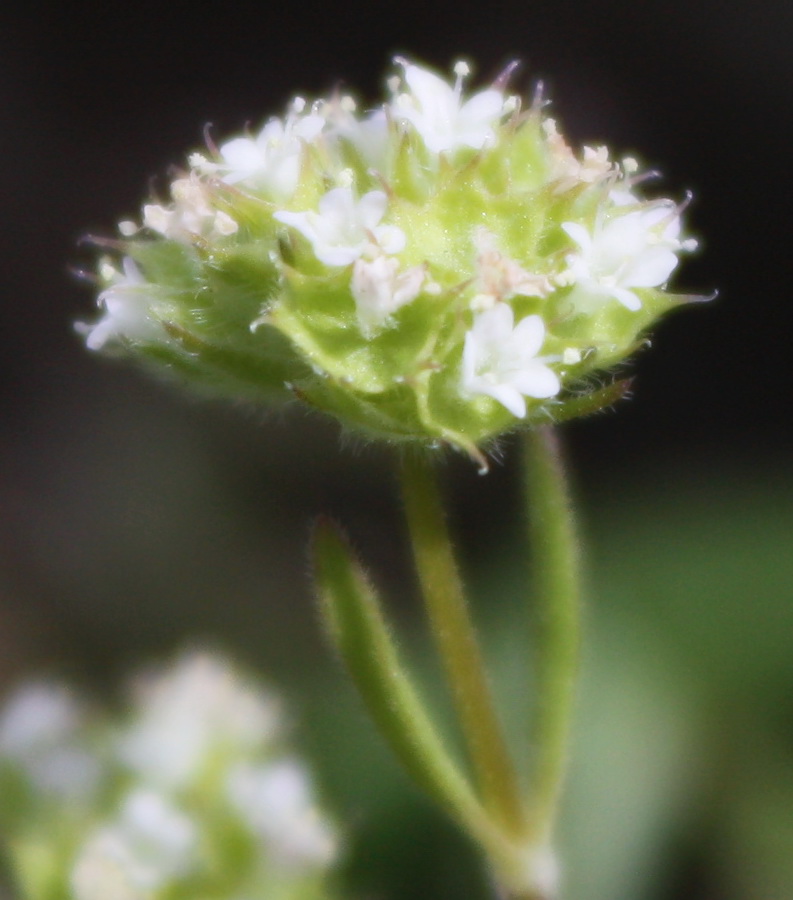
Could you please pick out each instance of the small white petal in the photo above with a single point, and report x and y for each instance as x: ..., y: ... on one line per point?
x: 390, y: 238
x: 652, y: 269
x: 579, y: 234
x: 530, y: 334
x: 627, y: 298
x: 41, y: 734
x: 243, y: 157
x: 509, y: 396
x: 537, y: 381
x: 371, y: 208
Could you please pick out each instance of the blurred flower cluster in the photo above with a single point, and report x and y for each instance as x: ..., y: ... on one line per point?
x: 191, y: 793
x: 443, y: 268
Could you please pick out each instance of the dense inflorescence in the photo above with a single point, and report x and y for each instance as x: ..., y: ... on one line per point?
x: 441, y: 269
x: 194, y: 792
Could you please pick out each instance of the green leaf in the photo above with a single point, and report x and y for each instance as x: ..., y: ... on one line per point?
x: 355, y: 623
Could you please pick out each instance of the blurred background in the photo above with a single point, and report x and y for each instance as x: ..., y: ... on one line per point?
x: 134, y: 520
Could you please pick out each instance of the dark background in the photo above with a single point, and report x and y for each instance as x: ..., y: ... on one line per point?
x: 131, y: 519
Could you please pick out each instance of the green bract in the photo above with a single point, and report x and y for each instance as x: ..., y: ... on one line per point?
x: 443, y: 269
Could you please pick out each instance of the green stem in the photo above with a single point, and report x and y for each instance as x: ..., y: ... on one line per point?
x: 556, y: 563
x: 455, y: 638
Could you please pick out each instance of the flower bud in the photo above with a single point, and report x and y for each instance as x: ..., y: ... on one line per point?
x: 442, y: 269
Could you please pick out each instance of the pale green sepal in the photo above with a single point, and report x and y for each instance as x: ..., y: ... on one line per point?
x: 589, y: 403
x: 218, y: 368
x: 167, y: 264
x: 395, y: 418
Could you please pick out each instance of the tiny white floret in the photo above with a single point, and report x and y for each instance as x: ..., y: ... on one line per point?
x: 272, y: 159
x: 150, y: 844
x: 500, y: 360
x: 275, y: 800
x: 380, y: 289
x: 129, y: 310
x: 191, y: 213
x: 343, y: 229
x: 368, y: 135
x: 41, y: 732
x: 635, y: 250
x: 437, y: 111
x: 191, y: 714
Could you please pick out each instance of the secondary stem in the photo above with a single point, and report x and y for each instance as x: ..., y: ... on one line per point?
x: 455, y: 638
x: 556, y: 566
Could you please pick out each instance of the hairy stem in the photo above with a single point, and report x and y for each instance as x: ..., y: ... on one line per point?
x: 556, y: 565
x: 457, y: 645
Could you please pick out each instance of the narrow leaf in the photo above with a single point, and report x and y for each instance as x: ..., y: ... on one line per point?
x: 356, y: 625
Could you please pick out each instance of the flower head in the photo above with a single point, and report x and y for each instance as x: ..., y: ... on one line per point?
x: 434, y: 270
x: 193, y: 785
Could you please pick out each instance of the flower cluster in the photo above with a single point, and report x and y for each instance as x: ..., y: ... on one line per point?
x: 443, y: 268
x: 193, y: 794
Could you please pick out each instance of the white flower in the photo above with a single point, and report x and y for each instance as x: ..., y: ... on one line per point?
x: 369, y: 135
x: 272, y: 159
x: 129, y: 312
x: 436, y: 111
x: 343, y: 229
x: 567, y: 170
x: 40, y: 732
x: 499, y: 278
x: 499, y: 360
x: 635, y: 250
x: 191, y: 713
x: 149, y: 845
x: 380, y: 289
x: 192, y: 213
x: 275, y: 800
